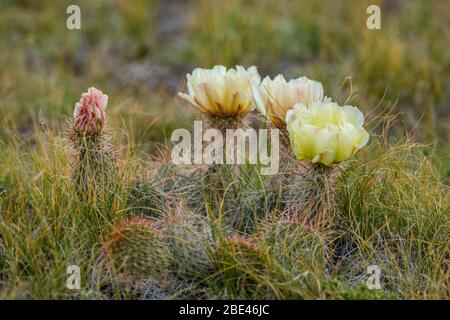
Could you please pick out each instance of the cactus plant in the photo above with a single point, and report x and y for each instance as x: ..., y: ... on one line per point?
x: 136, y: 249
x: 93, y: 165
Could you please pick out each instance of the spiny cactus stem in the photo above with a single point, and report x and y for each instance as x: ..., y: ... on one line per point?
x: 222, y: 123
x: 310, y: 191
x: 216, y: 172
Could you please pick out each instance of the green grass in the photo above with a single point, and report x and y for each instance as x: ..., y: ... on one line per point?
x: 391, y: 203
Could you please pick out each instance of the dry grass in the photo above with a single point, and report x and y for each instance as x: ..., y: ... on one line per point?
x: 236, y: 239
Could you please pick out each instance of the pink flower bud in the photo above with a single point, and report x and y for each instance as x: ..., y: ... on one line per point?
x: 90, y: 112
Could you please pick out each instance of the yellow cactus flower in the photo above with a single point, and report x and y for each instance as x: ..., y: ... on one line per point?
x: 222, y: 92
x: 325, y: 132
x: 275, y: 97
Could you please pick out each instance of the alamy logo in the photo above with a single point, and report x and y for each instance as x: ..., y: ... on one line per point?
x: 239, y: 146
x: 374, y: 20
x: 373, y: 282
x: 74, y: 20
x: 74, y: 278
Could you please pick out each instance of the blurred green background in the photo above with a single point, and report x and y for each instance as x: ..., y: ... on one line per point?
x: 138, y: 52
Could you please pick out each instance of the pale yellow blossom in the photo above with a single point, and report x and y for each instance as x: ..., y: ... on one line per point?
x: 275, y: 97
x: 325, y: 132
x: 222, y: 92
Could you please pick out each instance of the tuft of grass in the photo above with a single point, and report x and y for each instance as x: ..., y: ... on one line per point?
x: 394, y: 212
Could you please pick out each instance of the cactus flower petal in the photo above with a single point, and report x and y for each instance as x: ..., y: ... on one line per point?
x: 90, y: 112
x: 325, y: 132
x: 274, y: 98
x: 222, y: 92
